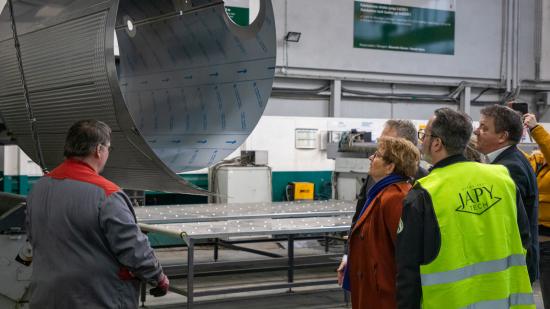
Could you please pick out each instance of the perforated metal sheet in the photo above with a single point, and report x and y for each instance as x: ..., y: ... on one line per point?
x: 252, y: 227
x: 192, y: 84
x: 217, y: 212
x: 197, y: 108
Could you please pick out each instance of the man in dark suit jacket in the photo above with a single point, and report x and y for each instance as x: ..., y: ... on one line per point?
x: 392, y: 128
x: 500, y: 130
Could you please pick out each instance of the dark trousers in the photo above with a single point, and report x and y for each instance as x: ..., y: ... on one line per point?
x: 544, y: 268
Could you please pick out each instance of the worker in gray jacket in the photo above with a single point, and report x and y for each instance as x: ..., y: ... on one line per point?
x: 88, y: 249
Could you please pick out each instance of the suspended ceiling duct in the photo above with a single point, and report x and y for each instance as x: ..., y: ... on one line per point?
x: 190, y: 86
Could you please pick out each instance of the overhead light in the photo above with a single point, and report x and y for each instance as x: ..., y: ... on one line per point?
x: 293, y: 36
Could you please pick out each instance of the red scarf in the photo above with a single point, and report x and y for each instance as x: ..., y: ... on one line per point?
x: 81, y: 171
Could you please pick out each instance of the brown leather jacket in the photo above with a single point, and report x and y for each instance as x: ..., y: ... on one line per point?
x: 371, y: 259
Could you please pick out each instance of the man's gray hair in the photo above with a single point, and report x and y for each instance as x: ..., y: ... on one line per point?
x: 453, y: 128
x: 84, y: 136
x: 404, y: 128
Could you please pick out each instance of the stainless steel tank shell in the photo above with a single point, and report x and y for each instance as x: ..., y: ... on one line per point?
x: 190, y: 85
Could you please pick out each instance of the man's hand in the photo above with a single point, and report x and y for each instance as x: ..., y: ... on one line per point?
x: 530, y: 121
x: 162, y: 286
x: 340, y: 271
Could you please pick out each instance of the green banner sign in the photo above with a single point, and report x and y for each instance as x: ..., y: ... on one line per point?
x: 238, y: 15
x: 403, y: 28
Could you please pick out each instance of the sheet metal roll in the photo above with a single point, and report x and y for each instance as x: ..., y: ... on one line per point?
x: 190, y: 87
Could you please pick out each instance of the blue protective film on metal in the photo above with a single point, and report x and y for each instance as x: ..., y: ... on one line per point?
x: 195, y: 84
x: 189, y: 88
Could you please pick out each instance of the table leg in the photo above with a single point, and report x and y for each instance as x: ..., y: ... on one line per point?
x: 216, y: 248
x: 143, y: 291
x: 290, y: 248
x: 190, y: 274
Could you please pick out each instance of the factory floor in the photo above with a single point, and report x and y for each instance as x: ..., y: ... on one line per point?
x: 318, y: 297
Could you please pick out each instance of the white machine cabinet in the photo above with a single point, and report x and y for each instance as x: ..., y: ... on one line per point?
x: 244, y: 184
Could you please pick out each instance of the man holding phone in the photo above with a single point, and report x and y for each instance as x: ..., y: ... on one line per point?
x: 522, y: 107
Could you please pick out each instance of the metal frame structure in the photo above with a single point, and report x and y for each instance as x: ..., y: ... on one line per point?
x: 282, y: 222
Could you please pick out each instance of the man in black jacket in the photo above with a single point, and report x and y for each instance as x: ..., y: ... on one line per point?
x: 392, y: 128
x: 500, y: 130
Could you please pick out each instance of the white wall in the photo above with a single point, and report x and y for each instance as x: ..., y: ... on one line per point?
x: 276, y: 135
x: 545, y: 41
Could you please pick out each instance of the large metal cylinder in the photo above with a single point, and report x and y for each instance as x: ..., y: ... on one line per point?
x: 190, y: 87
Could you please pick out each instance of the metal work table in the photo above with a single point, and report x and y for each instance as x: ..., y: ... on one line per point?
x: 251, y: 227
x: 334, y: 217
x: 217, y: 212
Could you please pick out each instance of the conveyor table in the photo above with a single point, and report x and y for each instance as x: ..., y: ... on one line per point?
x: 196, y: 222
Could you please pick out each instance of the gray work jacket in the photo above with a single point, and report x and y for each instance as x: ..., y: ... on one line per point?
x: 88, y: 249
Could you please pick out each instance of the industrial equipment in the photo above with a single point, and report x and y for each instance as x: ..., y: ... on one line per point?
x: 355, y: 141
x: 300, y: 191
x: 15, y: 275
x: 243, y: 184
x: 244, y: 179
x: 191, y: 84
x: 351, y: 151
x: 254, y: 157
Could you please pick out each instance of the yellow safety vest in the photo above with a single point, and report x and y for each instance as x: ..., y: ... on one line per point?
x: 481, y: 262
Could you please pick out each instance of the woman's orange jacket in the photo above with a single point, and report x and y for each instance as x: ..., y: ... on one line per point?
x: 371, y: 258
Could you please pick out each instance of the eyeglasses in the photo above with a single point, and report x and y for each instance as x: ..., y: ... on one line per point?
x: 109, y: 147
x: 422, y: 134
x: 377, y: 154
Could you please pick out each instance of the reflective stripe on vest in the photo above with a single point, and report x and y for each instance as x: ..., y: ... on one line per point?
x: 506, y: 303
x: 472, y: 270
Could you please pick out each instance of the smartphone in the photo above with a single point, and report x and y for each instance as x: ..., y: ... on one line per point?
x: 523, y: 108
